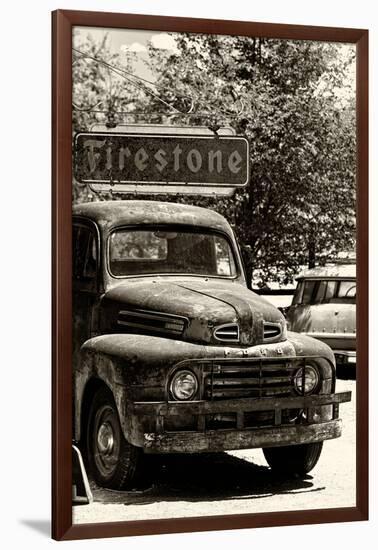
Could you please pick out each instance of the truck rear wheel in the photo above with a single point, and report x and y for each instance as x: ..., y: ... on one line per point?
x: 112, y: 460
x: 293, y: 460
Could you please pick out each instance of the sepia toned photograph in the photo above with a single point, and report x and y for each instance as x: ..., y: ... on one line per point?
x: 213, y: 275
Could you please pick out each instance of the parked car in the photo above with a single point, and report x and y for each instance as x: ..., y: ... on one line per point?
x: 174, y: 354
x: 324, y: 307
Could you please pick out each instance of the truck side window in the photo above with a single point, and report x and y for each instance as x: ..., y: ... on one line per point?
x: 347, y: 289
x: 84, y: 260
x: 308, y: 291
x: 325, y: 291
x: 319, y: 295
x: 298, y: 293
x: 330, y: 291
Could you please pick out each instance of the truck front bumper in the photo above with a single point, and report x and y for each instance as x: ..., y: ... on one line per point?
x: 316, y: 421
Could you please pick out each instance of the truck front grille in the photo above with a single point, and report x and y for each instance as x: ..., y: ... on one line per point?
x: 249, y: 379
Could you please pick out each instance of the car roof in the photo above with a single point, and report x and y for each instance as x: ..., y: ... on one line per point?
x: 333, y: 271
x: 110, y: 214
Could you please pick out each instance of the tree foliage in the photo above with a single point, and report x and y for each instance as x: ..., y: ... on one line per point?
x: 294, y: 103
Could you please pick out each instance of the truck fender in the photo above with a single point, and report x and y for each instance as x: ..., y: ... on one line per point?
x: 96, y: 369
x: 105, y: 360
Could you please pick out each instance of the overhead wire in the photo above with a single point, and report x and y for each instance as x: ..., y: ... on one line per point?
x: 120, y: 72
x: 132, y: 79
x: 130, y: 74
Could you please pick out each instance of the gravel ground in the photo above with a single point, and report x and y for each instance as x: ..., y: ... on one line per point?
x: 233, y: 483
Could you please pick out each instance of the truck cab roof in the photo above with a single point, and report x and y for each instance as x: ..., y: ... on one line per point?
x: 110, y: 214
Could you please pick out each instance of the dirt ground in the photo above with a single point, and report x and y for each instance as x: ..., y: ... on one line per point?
x: 233, y: 483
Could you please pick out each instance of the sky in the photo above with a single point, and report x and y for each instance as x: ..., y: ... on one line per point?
x: 121, y: 41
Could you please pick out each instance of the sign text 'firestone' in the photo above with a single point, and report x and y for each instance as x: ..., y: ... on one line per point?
x: 130, y: 158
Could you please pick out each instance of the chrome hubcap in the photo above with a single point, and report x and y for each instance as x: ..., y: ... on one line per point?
x: 105, y: 438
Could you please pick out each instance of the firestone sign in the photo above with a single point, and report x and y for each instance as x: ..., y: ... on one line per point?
x: 161, y: 159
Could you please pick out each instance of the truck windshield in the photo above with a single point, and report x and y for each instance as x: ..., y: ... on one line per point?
x: 150, y: 251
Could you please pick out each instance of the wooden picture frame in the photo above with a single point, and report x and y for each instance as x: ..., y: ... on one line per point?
x: 62, y: 23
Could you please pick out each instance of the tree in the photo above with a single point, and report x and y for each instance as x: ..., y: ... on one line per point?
x: 293, y: 102
x: 301, y: 199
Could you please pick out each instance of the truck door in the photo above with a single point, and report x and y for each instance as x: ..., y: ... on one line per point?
x: 85, y: 271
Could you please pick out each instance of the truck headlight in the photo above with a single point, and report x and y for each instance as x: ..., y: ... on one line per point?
x: 306, y: 379
x: 184, y: 385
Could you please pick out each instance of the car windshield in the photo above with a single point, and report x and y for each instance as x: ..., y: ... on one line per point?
x: 168, y: 251
x: 325, y: 292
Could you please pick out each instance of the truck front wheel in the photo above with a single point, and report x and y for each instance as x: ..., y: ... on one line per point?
x: 294, y: 460
x: 112, y: 460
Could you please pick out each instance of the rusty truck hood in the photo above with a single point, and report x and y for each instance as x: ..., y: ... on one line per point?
x: 189, y: 309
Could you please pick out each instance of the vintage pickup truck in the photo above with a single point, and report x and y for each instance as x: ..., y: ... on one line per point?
x: 174, y: 354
